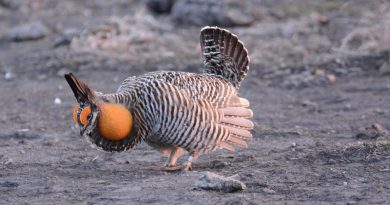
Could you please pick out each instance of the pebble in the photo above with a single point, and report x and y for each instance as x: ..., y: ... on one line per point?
x: 8, y: 76
x: 11, y: 4
x: 160, y: 6
x: 9, y: 161
x: 321, y: 19
x: 66, y: 37
x: 347, y: 107
x: 211, y: 12
x: 30, y: 31
x: 95, y: 158
x: 9, y: 184
x: 213, y: 181
x: 372, y: 132
x: 57, y: 101
x: 62, y: 72
x: 331, y: 78
x: 268, y: 190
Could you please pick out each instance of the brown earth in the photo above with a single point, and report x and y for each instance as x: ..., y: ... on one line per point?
x: 319, y: 87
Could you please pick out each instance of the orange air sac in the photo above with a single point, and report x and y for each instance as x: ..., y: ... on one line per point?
x: 115, y: 121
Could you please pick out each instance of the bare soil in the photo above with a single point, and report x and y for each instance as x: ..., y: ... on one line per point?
x: 319, y: 86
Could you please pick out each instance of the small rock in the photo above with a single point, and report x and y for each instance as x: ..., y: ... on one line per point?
x: 293, y: 144
x: 331, y: 78
x: 8, y: 76
x: 379, y: 128
x: 51, y: 142
x: 57, y: 101
x: 160, y: 6
x: 347, y: 107
x: 31, y: 31
x: 373, y: 132
x: 385, y: 68
x: 268, y: 190
x: 62, y: 72
x: 309, y: 104
x: 95, y: 158
x: 212, y: 181
x: 345, y: 183
x: 212, y: 12
x: 9, y: 161
x: 24, y: 134
x: 66, y: 37
x: 321, y: 19
x: 318, y: 72
x: 11, y: 4
x: 9, y: 184
x: 42, y: 77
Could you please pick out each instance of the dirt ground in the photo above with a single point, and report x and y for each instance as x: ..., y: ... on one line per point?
x: 319, y: 86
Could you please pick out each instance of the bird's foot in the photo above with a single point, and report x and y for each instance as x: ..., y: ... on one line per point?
x: 169, y: 168
x: 187, y: 167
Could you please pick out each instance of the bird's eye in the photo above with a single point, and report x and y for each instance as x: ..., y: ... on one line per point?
x: 82, y: 115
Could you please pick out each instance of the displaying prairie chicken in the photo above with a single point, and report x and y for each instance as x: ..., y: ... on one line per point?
x: 174, y: 112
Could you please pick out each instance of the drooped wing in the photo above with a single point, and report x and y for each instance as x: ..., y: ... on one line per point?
x: 197, y: 124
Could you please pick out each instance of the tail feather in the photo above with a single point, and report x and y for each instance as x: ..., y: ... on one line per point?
x: 238, y: 122
x: 227, y: 146
x: 238, y: 112
x: 243, y: 60
x: 236, y: 101
x: 224, y: 54
x: 233, y: 44
x: 237, y: 141
x: 238, y: 52
x: 242, y: 133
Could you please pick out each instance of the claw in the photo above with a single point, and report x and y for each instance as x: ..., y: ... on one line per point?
x: 171, y: 165
x: 187, y: 167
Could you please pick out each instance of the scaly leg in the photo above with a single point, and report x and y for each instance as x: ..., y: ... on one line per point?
x: 176, y: 153
x: 188, y: 164
x: 171, y: 165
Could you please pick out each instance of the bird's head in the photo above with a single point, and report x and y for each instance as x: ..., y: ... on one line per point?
x: 102, y: 122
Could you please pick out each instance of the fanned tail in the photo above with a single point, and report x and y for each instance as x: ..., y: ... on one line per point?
x: 224, y: 54
x: 237, y: 121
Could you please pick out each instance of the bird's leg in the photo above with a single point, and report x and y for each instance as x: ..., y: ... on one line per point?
x: 176, y: 153
x: 171, y: 165
x: 188, y: 164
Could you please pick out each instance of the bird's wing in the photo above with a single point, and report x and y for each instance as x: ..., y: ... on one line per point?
x: 197, y: 124
x: 211, y: 88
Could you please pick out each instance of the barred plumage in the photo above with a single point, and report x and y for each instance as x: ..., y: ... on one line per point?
x: 179, y: 112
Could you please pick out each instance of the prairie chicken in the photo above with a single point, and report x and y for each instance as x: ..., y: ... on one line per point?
x: 174, y: 112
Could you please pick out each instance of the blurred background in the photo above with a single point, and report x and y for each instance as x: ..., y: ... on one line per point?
x: 318, y: 84
x: 283, y: 37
